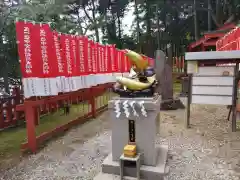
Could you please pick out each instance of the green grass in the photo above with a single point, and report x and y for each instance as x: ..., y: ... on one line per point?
x: 11, y: 139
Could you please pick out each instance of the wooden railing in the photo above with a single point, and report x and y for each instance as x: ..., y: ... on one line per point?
x: 8, y: 115
x: 33, y: 108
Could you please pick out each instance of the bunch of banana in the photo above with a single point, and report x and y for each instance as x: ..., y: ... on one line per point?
x: 140, y: 65
x: 137, y: 60
x: 134, y: 84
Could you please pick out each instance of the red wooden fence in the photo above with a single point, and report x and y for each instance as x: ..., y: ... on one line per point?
x: 32, y: 109
x: 8, y: 115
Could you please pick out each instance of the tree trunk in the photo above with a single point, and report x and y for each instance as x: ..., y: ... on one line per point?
x: 119, y: 27
x: 158, y: 27
x: 111, y: 29
x: 148, y: 23
x: 80, y: 25
x: 5, y: 77
x: 138, y: 25
x: 209, y: 16
x: 218, y: 11
x: 94, y: 19
x: 4, y: 66
x: 196, y: 21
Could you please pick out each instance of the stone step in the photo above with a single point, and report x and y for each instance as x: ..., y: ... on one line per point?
x: 148, y: 172
x: 104, y: 176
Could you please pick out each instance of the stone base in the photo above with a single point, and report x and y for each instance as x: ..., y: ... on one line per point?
x: 146, y: 172
x: 104, y: 176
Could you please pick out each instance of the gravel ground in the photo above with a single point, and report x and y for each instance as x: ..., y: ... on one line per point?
x: 207, y: 151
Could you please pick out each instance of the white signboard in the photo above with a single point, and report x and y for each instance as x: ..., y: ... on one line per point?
x: 213, y: 85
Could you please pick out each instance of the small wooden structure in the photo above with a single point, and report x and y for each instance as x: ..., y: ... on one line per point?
x: 209, y: 39
x: 212, y: 80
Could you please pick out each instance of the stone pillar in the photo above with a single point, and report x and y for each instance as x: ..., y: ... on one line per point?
x: 184, y: 83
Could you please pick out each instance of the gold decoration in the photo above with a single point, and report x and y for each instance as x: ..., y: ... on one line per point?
x: 130, y: 150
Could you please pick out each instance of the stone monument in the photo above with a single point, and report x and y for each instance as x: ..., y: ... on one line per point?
x: 135, y: 124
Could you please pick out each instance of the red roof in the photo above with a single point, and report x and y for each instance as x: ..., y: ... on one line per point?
x: 210, y: 38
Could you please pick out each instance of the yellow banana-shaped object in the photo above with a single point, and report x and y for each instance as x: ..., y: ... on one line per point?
x: 133, y: 84
x: 137, y: 59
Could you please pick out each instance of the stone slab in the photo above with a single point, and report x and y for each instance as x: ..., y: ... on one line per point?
x: 147, y: 172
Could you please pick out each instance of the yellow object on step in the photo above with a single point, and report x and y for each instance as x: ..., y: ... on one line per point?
x: 137, y: 60
x: 133, y: 84
x: 130, y: 151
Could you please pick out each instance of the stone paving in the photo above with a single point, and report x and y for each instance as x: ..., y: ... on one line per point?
x: 206, y: 151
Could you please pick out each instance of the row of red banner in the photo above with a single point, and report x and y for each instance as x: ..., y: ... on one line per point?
x: 230, y: 42
x: 52, y: 62
x: 41, y: 49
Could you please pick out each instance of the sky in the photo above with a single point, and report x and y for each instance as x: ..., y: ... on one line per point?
x: 128, y: 19
x: 126, y: 22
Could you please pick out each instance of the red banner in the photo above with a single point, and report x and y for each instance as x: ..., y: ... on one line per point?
x: 73, y: 48
x: 125, y: 63
x: 105, y: 54
x: 94, y: 58
x: 119, y: 57
x: 89, y: 56
x: 103, y: 59
x: 122, y: 61
x: 113, y: 58
x: 82, y: 55
x: 25, y: 49
x: 129, y: 64
x: 109, y: 59
x: 43, y: 54
x: 37, y: 54
x: 58, y: 55
x: 97, y: 58
x: 67, y: 55
x: 100, y: 59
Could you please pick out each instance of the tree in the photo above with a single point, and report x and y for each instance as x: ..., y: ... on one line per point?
x: 89, y: 7
x: 8, y: 55
x: 113, y: 13
x: 225, y: 11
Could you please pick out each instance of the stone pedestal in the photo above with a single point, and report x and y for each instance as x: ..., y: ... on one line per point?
x: 145, y: 127
x: 145, y: 113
